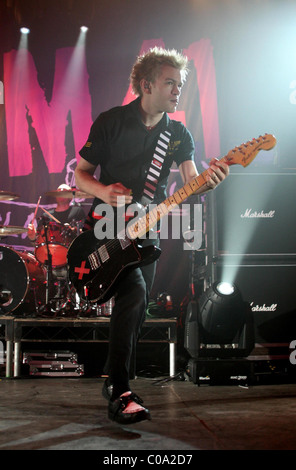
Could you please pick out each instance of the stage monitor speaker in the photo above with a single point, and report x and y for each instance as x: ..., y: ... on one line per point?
x: 270, y: 291
x: 256, y: 213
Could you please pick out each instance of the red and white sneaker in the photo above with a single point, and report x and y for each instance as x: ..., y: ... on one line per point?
x: 128, y: 409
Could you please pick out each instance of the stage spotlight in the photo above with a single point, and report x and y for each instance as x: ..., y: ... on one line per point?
x: 222, y: 313
x: 83, y: 29
x: 220, y: 324
x: 24, y: 30
x: 225, y: 288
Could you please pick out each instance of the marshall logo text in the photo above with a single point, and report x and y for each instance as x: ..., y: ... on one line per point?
x: 263, y: 308
x: 249, y: 214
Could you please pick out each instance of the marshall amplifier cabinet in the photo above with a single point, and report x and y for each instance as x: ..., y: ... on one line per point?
x: 256, y: 214
x: 270, y: 290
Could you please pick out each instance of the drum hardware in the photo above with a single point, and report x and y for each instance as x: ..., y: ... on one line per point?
x: 55, y: 241
x: 91, y: 309
x: 48, y: 265
x: 105, y: 310
x: 51, y: 248
x: 64, y: 305
x: 77, y: 226
x: 87, y: 310
x: 53, y: 303
x: 46, y: 261
x: 57, y: 307
x: 75, y: 306
x: 34, y: 289
x: 51, y: 251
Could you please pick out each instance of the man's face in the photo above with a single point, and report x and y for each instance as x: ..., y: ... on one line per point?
x: 63, y: 200
x: 166, y: 89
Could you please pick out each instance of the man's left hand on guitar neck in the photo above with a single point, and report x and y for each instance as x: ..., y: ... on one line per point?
x: 216, y: 173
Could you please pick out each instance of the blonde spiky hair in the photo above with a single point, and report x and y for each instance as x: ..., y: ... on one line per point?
x: 148, y: 66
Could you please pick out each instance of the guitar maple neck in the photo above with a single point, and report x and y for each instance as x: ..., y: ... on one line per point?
x: 147, y: 222
x: 242, y: 155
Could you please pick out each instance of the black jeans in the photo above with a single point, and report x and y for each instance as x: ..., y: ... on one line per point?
x: 127, y: 318
x: 128, y: 315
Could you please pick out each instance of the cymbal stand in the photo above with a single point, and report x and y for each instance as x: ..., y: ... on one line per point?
x: 73, y: 201
x: 48, y: 266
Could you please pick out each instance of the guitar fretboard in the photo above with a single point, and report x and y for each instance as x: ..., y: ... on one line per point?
x: 141, y: 226
x: 242, y: 155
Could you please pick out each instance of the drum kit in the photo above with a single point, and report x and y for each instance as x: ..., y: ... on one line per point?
x: 36, y: 284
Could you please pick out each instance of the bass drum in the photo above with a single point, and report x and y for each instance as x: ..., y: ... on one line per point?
x: 22, y: 282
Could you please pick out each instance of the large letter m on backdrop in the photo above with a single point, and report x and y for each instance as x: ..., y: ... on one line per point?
x: 25, y: 102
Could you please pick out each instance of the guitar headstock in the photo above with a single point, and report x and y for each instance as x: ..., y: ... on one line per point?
x: 245, y: 153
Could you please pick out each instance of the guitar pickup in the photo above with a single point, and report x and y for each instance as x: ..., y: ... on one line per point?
x: 104, y: 255
x: 94, y: 260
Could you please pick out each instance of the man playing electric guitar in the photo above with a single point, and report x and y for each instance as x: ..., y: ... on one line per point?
x: 123, y: 142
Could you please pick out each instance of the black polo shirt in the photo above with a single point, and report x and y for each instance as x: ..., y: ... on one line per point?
x: 123, y: 148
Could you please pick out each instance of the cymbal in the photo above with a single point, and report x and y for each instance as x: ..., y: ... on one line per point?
x: 7, y: 230
x: 8, y: 196
x: 69, y: 193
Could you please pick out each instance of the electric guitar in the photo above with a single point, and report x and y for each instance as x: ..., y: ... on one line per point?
x: 95, y: 266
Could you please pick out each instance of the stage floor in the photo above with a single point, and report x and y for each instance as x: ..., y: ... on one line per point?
x: 71, y: 414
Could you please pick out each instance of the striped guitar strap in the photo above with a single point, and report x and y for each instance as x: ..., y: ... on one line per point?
x: 155, y: 167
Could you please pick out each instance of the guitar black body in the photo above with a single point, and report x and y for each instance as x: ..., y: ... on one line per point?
x: 95, y: 266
